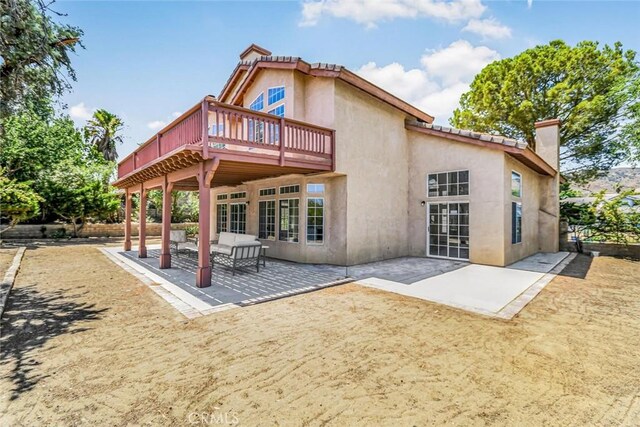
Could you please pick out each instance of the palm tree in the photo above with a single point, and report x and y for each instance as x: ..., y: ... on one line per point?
x: 102, y: 132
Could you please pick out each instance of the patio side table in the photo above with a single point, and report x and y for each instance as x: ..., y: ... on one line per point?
x: 263, y: 254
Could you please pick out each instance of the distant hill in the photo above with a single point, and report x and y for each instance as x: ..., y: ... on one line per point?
x: 628, y: 177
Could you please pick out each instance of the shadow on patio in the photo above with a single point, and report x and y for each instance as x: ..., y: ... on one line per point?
x: 30, y: 320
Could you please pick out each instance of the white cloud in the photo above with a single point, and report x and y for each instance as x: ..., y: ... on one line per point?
x: 368, y: 12
x: 176, y: 114
x: 488, y: 28
x: 529, y: 3
x: 156, y: 125
x: 460, y: 61
x: 394, y: 78
x: 436, y: 87
x: 80, y: 112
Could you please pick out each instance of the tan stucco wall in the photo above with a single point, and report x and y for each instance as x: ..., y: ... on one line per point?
x: 430, y: 154
x: 374, y: 208
x: 332, y: 251
x: 540, y: 232
x: 266, y: 80
x: 372, y: 149
x: 530, y: 200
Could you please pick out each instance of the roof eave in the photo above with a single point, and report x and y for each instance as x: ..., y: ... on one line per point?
x: 525, y: 155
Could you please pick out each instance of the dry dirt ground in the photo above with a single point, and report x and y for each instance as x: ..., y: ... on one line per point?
x: 6, y: 258
x: 84, y: 343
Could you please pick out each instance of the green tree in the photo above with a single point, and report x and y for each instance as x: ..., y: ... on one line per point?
x: 608, y: 219
x: 34, y: 54
x: 77, y: 193
x: 34, y: 141
x: 18, y: 201
x: 184, y: 205
x: 102, y: 133
x: 594, y: 91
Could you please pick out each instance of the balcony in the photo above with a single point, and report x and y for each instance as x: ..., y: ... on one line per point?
x: 248, y: 144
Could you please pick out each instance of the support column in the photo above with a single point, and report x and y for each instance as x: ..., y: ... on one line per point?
x: 203, y: 274
x: 165, y: 249
x: 142, y: 228
x: 127, y: 220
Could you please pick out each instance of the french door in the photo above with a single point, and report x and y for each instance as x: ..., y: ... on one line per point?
x: 448, y: 230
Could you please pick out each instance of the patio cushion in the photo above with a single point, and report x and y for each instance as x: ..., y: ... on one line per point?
x: 179, y: 236
x: 222, y: 249
x: 227, y: 239
x: 245, y: 238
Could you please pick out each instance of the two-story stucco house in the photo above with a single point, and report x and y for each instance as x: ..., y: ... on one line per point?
x: 328, y: 168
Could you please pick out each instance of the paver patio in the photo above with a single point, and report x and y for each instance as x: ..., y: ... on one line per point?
x: 275, y: 280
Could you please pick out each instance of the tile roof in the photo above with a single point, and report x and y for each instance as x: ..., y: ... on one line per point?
x: 496, y: 139
x: 332, y: 70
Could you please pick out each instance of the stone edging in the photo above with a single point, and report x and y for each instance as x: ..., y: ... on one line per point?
x: 10, y: 278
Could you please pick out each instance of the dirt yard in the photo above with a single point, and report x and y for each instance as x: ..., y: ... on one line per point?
x: 84, y: 343
x: 6, y: 258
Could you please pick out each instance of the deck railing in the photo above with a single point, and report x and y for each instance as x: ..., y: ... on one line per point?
x: 230, y: 125
x: 235, y: 129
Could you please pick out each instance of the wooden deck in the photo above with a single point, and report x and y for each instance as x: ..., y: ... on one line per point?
x: 247, y: 144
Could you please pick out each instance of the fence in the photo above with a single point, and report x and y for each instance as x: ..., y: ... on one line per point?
x: 567, y: 243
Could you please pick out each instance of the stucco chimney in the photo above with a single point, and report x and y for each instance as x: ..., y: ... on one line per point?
x: 252, y: 52
x: 548, y: 142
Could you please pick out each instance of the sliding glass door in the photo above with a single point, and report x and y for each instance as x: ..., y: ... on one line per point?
x: 448, y: 230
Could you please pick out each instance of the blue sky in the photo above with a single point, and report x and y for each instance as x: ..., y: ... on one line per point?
x: 148, y: 60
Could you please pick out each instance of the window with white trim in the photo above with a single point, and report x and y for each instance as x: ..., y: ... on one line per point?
x: 516, y: 184
x: 267, y: 192
x: 289, y: 220
x: 278, y: 111
x: 443, y: 184
x: 221, y: 197
x: 275, y: 94
x: 267, y: 219
x: 315, y: 220
x: 516, y: 222
x: 288, y: 189
x: 238, y: 218
x: 221, y: 217
x: 256, y: 128
x: 239, y: 195
x: 315, y: 188
x: 258, y: 103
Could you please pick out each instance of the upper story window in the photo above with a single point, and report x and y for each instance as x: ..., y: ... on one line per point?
x: 275, y: 94
x: 448, y: 184
x: 221, y: 197
x: 258, y: 103
x: 278, y: 111
x: 239, y: 195
x: 516, y: 184
x: 315, y: 188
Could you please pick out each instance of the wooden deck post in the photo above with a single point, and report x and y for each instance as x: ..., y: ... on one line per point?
x: 127, y: 220
x: 165, y: 248
x: 203, y: 274
x: 142, y: 227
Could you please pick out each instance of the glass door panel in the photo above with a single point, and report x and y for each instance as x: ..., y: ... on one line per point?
x: 448, y: 230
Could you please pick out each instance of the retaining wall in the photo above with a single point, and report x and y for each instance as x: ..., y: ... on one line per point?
x: 33, y: 231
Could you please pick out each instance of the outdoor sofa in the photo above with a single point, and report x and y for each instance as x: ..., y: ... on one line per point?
x: 236, y: 250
